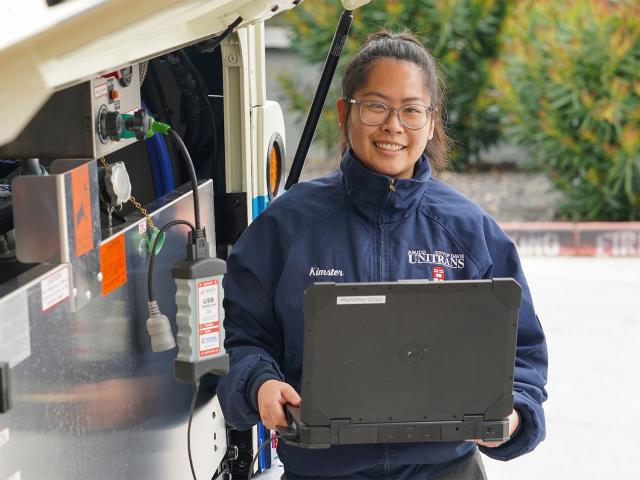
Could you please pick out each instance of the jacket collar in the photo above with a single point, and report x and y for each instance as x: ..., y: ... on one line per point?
x: 379, y: 198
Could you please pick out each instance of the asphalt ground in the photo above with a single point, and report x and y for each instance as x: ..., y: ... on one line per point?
x: 589, y: 308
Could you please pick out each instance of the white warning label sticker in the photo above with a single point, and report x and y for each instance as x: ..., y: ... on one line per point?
x: 209, y: 317
x: 4, y: 437
x: 100, y: 90
x: 55, y: 287
x: 15, y: 341
x: 362, y: 299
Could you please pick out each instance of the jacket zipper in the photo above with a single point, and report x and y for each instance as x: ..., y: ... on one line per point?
x: 392, y: 188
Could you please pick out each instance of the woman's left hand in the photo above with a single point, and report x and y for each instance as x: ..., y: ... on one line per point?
x: 514, y: 421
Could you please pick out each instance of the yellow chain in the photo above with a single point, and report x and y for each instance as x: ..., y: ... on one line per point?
x: 143, y: 211
x: 136, y: 204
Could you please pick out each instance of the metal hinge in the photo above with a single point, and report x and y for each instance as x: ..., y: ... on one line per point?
x: 5, y: 388
x: 231, y: 216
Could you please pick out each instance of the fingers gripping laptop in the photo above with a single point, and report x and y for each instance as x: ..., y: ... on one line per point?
x: 408, y: 361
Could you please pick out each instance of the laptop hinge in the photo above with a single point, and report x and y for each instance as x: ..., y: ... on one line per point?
x: 335, y: 425
x: 478, y: 424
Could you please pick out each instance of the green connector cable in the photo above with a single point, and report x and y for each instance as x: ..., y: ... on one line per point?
x: 141, y: 125
x: 158, y: 127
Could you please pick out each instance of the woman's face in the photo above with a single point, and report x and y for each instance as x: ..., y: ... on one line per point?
x: 391, y: 148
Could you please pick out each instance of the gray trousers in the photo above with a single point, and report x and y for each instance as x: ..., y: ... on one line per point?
x: 469, y: 467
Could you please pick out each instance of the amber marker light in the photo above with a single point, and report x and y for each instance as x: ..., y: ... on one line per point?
x: 275, y: 165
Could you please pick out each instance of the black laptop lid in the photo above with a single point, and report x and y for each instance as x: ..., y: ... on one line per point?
x: 409, y: 351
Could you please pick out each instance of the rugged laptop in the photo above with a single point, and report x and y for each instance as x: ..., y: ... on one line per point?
x: 411, y: 361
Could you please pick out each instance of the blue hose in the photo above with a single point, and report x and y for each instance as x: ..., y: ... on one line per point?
x: 158, y: 185
x: 161, y: 170
x: 165, y: 162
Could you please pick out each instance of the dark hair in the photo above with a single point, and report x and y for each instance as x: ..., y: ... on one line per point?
x: 406, y: 47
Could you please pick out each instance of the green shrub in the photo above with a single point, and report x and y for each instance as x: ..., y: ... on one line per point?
x: 569, y: 81
x: 462, y: 34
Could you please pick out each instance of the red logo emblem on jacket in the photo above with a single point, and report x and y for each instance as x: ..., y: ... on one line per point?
x: 438, y: 274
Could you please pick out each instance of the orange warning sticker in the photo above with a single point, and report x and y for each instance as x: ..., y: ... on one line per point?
x: 82, y: 218
x: 113, y: 264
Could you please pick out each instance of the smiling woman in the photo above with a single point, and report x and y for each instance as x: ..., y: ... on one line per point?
x: 396, y: 68
x: 389, y: 139
x: 381, y: 217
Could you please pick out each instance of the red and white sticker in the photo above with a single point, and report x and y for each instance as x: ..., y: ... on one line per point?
x: 55, y: 287
x: 438, y: 274
x: 209, y: 317
x: 100, y: 90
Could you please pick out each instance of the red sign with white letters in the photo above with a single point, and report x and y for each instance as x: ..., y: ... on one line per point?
x: 438, y: 274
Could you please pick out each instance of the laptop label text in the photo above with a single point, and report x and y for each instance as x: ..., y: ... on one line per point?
x: 362, y: 299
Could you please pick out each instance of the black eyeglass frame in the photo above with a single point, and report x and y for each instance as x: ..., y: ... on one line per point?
x: 430, y: 110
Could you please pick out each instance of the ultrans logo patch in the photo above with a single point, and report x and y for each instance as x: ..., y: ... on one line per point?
x: 446, y: 259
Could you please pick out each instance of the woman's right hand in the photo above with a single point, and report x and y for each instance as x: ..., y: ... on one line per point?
x: 273, y: 395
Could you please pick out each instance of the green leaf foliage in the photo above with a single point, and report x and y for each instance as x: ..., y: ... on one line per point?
x: 462, y: 34
x: 569, y: 84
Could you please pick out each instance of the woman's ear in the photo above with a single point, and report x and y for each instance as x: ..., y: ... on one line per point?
x: 342, y: 112
x: 432, y: 125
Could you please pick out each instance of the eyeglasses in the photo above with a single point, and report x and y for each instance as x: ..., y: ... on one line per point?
x: 373, y: 113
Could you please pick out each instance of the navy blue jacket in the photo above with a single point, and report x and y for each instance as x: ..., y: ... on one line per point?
x: 356, y: 225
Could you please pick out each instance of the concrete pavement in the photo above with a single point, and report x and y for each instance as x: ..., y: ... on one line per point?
x: 590, y: 311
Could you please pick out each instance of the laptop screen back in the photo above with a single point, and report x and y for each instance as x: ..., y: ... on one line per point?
x: 408, y: 352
